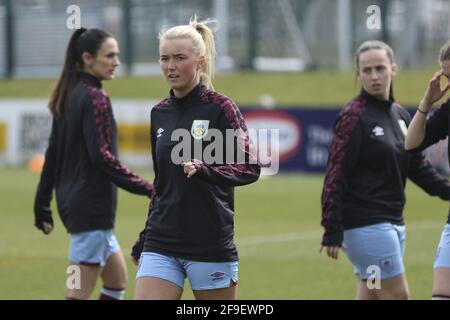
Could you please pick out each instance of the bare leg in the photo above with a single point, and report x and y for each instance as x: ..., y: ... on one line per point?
x: 115, y: 276
x: 441, y: 283
x: 88, y: 278
x: 229, y: 293
x: 395, y: 288
x: 363, y: 292
x: 151, y: 288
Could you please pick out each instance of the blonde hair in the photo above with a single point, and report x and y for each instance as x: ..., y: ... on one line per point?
x: 202, y: 44
x: 444, y: 53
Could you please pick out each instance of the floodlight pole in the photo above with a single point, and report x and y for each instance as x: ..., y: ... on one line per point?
x: 252, y: 34
x: 128, y: 36
x: 384, y: 8
x: 221, y: 12
x: 344, y: 34
x: 9, y: 36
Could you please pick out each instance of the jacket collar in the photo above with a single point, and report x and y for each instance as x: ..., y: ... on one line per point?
x: 90, y: 79
x: 375, y: 101
x: 192, y: 98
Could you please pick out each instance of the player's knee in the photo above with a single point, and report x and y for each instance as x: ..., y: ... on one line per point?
x: 125, y: 280
x: 119, y: 284
x: 402, y: 294
x: 124, y: 284
x: 440, y: 294
x: 76, y: 295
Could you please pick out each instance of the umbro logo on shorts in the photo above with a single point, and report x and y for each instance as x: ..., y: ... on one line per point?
x: 387, y: 264
x: 217, y: 276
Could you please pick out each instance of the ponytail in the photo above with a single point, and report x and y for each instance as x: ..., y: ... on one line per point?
x: 82, y: 40
x: 60, y: 97
x: 207, y: 75
x: 391, y: 92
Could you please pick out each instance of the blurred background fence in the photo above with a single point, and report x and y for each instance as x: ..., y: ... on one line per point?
x: 279, y: 35
x: 251, y: 35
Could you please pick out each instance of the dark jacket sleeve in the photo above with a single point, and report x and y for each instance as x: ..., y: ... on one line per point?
x: 138, y: 246
x: 97, y: 132
x: 244, y: 170
x: 342, y: 159
x: 436, y: 127
x: 420, y: 171
x: 42, y: 211
x: 426, y: 177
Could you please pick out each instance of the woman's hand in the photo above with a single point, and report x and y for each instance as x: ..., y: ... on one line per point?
x: 189, y: 168
x: 47, y: 228
x: 434, y: 91
x: 332, y: 251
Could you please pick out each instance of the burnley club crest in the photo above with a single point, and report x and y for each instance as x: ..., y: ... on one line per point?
x: 199, y: 129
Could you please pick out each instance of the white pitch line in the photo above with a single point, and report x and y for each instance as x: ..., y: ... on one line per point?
x: 263, y: 239
x: 311, y: 235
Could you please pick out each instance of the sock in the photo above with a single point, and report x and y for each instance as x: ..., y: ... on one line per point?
x: 440, y: 298
x: 111, y: 294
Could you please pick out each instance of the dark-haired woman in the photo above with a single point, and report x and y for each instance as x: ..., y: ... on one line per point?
x: 81, y: 164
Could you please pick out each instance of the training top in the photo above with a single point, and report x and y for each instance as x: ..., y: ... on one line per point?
x: 193, y: 218
x: 368, y: 166
x: 437, y: 128
x: 81, y: 164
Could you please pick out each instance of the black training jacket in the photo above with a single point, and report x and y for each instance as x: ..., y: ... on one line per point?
x: 193, y: 218
x: 437, y: 128
x: 368, y: 166
x: 81, y: 164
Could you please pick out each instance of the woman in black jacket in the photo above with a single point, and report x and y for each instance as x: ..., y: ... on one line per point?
x: 190, y: 229
x: 363, y: 195
x: 81, y: 164
x: 424, y: 132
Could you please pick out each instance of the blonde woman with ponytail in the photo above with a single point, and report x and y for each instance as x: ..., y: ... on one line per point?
x: 190, y: 229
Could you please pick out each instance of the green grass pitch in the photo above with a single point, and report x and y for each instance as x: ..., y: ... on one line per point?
x: 277, y: 232
x: 277, y: 219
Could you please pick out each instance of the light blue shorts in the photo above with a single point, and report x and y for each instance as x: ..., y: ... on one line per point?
x: 380, y: 245
x: 201, y: 275
x: 93, y: 247
x: 442, y: 259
